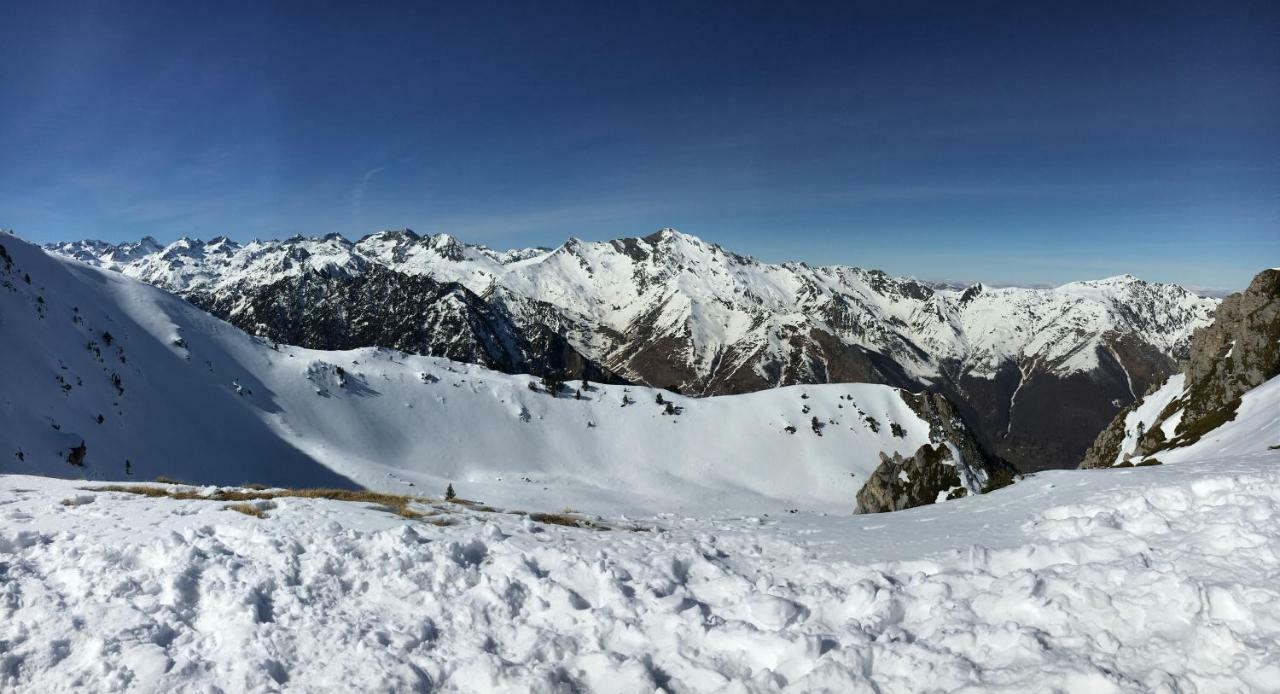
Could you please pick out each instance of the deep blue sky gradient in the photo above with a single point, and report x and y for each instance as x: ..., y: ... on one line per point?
x: 998, y: 141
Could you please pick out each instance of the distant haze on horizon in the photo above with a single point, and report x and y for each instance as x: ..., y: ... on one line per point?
x: 988, y: 141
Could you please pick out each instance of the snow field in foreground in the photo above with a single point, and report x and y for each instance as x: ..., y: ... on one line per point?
x: 1153, y: 579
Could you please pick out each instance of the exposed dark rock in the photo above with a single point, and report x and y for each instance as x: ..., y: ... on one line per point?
x: 410, y: 313
x: 77, y: 455
x: 901, y: 483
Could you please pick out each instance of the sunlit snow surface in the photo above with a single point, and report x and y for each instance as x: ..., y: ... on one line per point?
x: 1137, y: 580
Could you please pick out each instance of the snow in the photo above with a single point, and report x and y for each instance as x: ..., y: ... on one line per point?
x: 1136, y: 580
x: 202, y: 402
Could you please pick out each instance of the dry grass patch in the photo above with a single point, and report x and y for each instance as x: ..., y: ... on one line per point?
x: 144, y: 490
x: 567, y: 520
x: 438, y: 513
x: 394, y: 503
x: 248, y: 509
x: 79, y: 500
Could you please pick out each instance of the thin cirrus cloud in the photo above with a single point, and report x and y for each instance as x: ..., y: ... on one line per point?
x: 357, y: 193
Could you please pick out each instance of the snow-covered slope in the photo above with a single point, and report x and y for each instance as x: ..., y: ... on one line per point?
x: 1133, y: 581
x: 106, y: 377
x: 1254, y: 428
x: 673, y: 311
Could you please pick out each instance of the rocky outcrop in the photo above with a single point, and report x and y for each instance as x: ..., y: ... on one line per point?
x: 410, y: 313
x: 951, y: 466
x: 1239, y: 351
x: 899, y: 483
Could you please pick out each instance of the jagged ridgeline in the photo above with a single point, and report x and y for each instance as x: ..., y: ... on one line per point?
x: 1036, y: 372
x: 1233, y: 364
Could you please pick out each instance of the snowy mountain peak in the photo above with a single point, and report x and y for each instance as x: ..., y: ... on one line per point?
x: 392, y: 235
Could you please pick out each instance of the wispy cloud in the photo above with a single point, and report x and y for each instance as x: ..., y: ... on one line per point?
x: 357, y: 193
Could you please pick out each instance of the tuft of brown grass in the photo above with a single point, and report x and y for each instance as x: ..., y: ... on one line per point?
x: 567, y: 520
x: 247, y: 509
x: 168, y: 480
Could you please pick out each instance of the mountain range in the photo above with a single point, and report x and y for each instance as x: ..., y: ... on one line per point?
x: 1038, y: 372
x: 108, y: 378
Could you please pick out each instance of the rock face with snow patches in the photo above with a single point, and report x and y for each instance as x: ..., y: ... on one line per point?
x: 411, y: 313
x: 1037, y: 372
x: 109, y: 378
x: 1232, y: 372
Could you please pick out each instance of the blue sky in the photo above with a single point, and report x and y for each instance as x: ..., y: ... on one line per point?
x: 982, y: 140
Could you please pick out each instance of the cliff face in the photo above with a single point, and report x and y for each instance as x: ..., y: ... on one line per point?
x: 1238, y: 352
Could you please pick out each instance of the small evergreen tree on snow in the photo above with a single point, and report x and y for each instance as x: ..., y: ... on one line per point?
x: 816, y: 425
x: 658, y: 399
x: 897, y: 430
x: 448, y: 493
